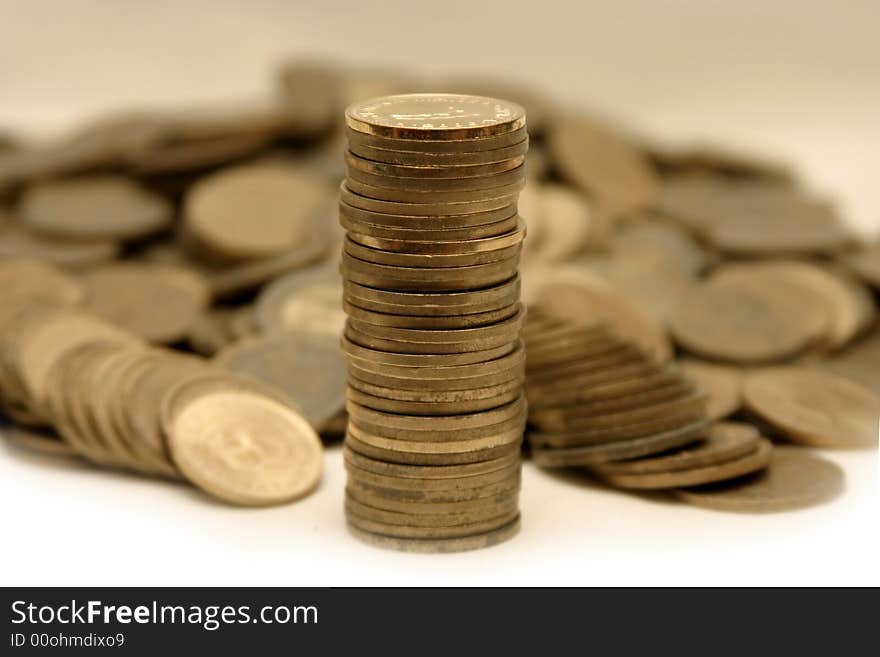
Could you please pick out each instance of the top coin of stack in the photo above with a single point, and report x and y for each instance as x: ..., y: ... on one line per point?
x: 431, y: 290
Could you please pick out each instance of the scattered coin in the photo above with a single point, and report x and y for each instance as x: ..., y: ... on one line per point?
x: 794, y: 479
x: 17, y: 243
x: 722, y: 384
x: 40, y: 442
x: 813, y: 407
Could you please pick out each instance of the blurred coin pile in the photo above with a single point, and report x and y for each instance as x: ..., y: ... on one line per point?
x: 430, y: 286
x: 215, y: 230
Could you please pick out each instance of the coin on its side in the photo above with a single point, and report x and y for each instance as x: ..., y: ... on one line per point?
x: 307, y: 365
x: 240, y: 446
x: 814, y: 407
x: 98, y: 207
x: 795, y: 479
x: 157, y: 303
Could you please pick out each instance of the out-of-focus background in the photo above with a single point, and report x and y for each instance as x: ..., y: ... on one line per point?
x: 796, y: 80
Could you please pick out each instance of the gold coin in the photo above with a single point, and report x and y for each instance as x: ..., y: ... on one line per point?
x: 795, y: 479
x: 485, y: 203
x: 421, y: 459
x: 439, y: 395
x: 439, y: 545
x: 19, y: 244
x: 367, y: 354
x: 455, y: 422
x: 814, y: 407
x: 430, y: 222
x: 501, y: 295
x: 441, y: 370
x: 442, y: 501
x: 629, y: 402
x: 435, y: 116
x: 431, y: 172
x: 420, y: 279
x: 436, y: 185
x: 415, y: 530
x: 507, y: 438
x: 421, y: 245
x: 610, y: 435
x: 127, y: 295
x: 306, y: 300
x: 396, y: 346
x: 432, y: 491
x: 256, y: 210
x: 97, y: 207
x: 444, y: 336
x: 489, y: 509
x: 435, y: 147
x: 27, y: 280
x: 629, y: 449
x: 428, y: 473
x: 240, y: 446
x: 541, y: 397
x: 447, y: 159
x: 445, y: 322
x: 397, y: 238
x: 438, y: 379
x: 721, y: 383
x: 38, y: 442
x: 429, y: 433
x: 430, y: 260
x: 506, y: 191
x: 758, y: 459
x: 433, y: 408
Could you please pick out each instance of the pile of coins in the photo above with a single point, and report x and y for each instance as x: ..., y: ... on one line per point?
x: 117, y: 402
x: 430, y: 286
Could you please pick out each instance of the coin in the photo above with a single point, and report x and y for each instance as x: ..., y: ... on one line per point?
x: 435, y: 186
x: 738, y: 325
x: 485, y: 203
x: 440, y: 147
x: 563, y: 221
x: 430, y: 260
x: 445, y: 198
x: 430, y: 172
x: 433, y: 407
x: 392, y: 239
x: 307, y: 299
x: 721, y: 383
x: 355, y: 350
x: 305, y: 364
x: 865, y: 262
x: 427, y: 304
x: 435, y: 116
x: 39, y: 442
x: 439, y: 545
x: 98, y: 207
x: 368, y: 221
x: 431, y: 472
x: 602, y: 164
x: 795, y: 479
x: 453, y: 158
x: 437, y: 322
x: 433, y: 247
x: 128, y: 295
x: 239, y: 446
x: 813, y: 407
x: 420, y: 279
x: 20, y: 244
x: 256, y: 210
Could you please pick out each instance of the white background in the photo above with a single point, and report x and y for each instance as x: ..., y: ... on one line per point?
x: 797, y: 80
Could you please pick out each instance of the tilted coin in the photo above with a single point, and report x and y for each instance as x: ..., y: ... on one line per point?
x: 564, y: 221
x: 739, y: 325
x: 305, y: 364
x: 814, y: 407
x: 435, y: 116
x: 724, y: 441
x: 240, y: 446
x: 721, y: 383
x: 795, y: 479
x: 307, y: 299
x: 489, y: 510
x: 756, y: 460
x: 159, y: 304
x: 575, y: 405
x: 602, y: 164
x: 256, y: 210
x: 100, y: 207
x: 546, y: 396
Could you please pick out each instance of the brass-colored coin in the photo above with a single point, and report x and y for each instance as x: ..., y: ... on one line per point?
x: 429, y: 433
x: 581, y: 298
x: 99, y: 207
x: 563, y: 221
x: 424, y: 374
x: 240, y: 446
x: 428, y: 489
x: 721, y: 161
x: 724, y: 441
x: 739, y: 325
x: 567, y: 381
x: 435, y: 116
x: 814, y: 407
x: 430, y: 260
x: 181, y: 155
x: 439, y: 395
x: 669, y: 392
x: 539, y: 109
x: 509, y: 437
x: 436, y: 279
x: 865, y: 262
x: 306, y: 365
x: 19, y: 244
x: 454, y: 422
x: 654, y: 443
x: 396, y: 346
x: 476, y: 334
x: 485, y: 203
x: 159, y: 304
x: 690, y: 404
x: 413, y: 530
x: 395, y: 239
x: 39, y: 442
x: 795, y: 479
x: 434, y: 147
x: 758, y: 459
x: 25, y: 279
x: 438, y: 501
x: 438, y: 322
x: 420, y: 244
x: 433, y: 186
x: 434, y: 408
x: 367, y: 354
x: 431, y: 172
x: 307, y: 299
x: 574, y: 365
x: 427, y: 304
x: 658, y: 243
x: 434, y: 159
x: 721, y: 383
x: 421, y: 459
x: 488, y: 510
x: 541, y: 397
x: 602, y: 164
x: 414, y: 196
x: 212, y: 330
x: 860, y: 362
x: 256, y: 210
x: 443, y: 473
x: 439, y: 545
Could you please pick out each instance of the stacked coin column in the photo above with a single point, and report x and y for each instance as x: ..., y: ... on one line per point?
x: 436, y: 366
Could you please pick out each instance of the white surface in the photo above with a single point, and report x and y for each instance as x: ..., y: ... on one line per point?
x: 796, y: 79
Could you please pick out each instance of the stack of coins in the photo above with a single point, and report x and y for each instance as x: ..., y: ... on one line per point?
x: 436, y: 366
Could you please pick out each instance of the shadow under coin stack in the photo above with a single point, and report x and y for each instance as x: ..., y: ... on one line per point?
x: 436, y: 366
